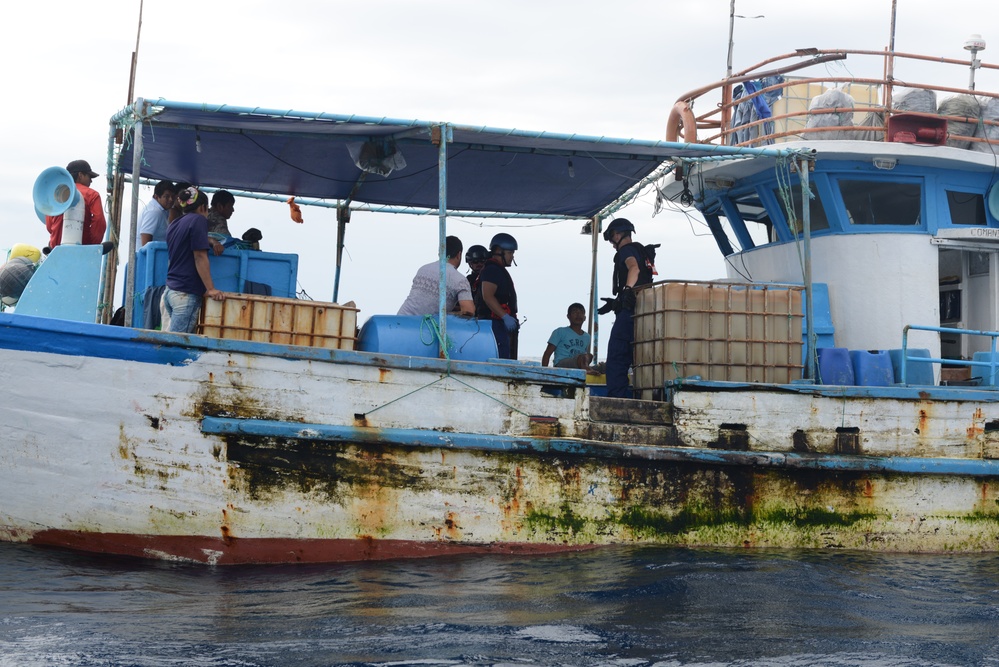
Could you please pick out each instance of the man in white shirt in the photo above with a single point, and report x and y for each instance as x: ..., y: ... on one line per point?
x: 424, y: 296
x: 153, y: 223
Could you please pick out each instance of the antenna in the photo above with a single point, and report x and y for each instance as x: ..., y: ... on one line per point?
x: 731, y: 33
x: 135, y: 57
x: 732, y: 16
x: 974, y: 44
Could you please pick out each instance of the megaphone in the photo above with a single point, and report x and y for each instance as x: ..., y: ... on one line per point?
x: 55, y: 193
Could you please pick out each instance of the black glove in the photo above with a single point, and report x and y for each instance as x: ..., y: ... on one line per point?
x: 607, y: 307
x: 627, y: 299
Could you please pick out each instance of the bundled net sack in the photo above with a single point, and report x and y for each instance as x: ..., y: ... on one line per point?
x: 872, y: 119
x: 915, y: 99
x: 963, y: 106
x: 984, y: 131
x: 822, y: 112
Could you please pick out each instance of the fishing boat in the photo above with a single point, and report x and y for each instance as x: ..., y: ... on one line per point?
x: 836, y: 390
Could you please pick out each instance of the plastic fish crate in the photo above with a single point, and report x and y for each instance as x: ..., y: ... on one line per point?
x: 284, y: 321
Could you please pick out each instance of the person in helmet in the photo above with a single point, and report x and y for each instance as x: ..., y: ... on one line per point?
x: 497, y: 295
x: 630, y: 270
x: 424, y: 295
x: 475, y: 258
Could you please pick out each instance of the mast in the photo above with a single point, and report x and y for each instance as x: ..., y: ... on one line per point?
x: 116, y: 187
x: 890, y: 61
x: 731, y: 34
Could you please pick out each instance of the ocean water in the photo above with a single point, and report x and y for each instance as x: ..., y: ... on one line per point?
x: 617, y: 606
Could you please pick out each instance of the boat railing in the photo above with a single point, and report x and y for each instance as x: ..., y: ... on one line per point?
x: 785, y: 102
x: 991, y: 362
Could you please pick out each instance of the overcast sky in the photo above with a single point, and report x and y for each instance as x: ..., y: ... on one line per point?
x: 592, y: 67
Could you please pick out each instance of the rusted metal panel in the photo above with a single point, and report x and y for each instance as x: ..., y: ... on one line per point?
x: 628, y: 411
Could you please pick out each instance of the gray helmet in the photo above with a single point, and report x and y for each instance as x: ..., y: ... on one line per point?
x: 618, y: 225
x: 504, y: 241
x: 476, y: 253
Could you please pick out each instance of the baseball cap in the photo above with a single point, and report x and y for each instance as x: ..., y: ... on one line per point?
x: 81, y: 166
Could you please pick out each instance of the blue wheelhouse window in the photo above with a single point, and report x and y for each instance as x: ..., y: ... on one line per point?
x: 753, y: 220
x: 882, y: 202
x: 816, y: 211
x: 966, y: 208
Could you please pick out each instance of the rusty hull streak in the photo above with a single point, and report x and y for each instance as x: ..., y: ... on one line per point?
x: 977, y: 427
x: 244, y: 551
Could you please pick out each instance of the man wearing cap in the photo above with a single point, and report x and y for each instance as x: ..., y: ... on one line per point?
x: 94, y: 224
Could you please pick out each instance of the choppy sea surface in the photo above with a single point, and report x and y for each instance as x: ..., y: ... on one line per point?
x: 618, y: 606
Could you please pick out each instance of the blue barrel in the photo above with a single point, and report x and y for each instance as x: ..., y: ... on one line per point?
x: 872, y: 368
x: 835, y: 366
x: 916, y: 372
x: 416, y: 336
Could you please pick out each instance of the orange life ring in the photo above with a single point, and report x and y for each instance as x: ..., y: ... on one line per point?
x: 681, y: 115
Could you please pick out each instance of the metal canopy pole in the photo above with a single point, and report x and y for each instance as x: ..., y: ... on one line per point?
x: 441, y: 135
x: 806, y: 191
x: 594, y: 293
x: 342, y: 218
x: 134, y: 221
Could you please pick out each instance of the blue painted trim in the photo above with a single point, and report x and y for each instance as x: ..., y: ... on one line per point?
x: 737, y: 224
x: 721, y: 240
x: 417, y: 438
x: 914, y: 393
x: 42, y: 334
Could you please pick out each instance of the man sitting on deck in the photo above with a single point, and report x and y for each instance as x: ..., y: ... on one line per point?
x: 424, y: 295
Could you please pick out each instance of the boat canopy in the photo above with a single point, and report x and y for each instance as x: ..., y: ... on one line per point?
x: 393, y: 162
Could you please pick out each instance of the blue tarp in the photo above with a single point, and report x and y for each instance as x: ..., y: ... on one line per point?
x: 308, y: 155
x: 757, y: 108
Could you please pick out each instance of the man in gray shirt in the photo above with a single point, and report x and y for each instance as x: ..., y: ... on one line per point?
x: 424, y: 296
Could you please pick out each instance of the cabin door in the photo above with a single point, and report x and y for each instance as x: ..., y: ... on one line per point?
x: 968, y: 294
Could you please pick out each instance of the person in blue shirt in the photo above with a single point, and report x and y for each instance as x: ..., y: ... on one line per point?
x: 153, y: 223
x: 189, y: 277
x: 570, y: 345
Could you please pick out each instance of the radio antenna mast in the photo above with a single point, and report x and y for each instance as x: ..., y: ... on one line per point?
x: 135, y: 57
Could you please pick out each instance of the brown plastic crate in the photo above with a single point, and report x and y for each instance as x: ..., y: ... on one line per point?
x: 276, y: 320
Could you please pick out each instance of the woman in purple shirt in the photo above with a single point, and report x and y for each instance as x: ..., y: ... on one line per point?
x: 189, y: 277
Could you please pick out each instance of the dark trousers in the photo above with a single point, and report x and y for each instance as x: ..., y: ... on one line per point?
x: 619, y: 355
x: 502, y: 337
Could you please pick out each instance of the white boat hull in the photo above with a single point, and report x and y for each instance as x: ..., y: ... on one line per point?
x: 215, y: 451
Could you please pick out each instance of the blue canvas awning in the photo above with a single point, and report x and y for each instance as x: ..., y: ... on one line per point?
x: 309, y: 155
